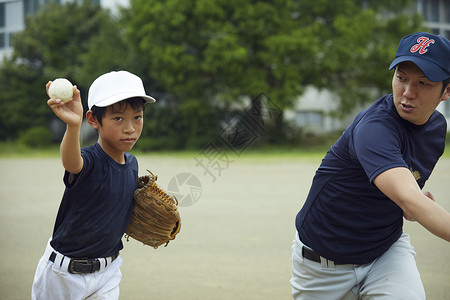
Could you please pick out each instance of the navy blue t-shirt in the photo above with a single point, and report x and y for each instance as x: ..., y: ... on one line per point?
x: 346, y: 218
x: 96, y: 206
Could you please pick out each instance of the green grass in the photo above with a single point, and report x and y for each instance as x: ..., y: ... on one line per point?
x: 11, y: 150
x: 16, y: 150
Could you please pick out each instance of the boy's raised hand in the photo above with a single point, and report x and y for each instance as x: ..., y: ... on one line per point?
x: 70, y: 112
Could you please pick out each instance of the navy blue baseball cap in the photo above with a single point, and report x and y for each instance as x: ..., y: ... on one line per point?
x: 430, y: 52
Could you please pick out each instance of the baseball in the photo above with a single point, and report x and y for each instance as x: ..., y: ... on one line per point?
x: 61, y: 88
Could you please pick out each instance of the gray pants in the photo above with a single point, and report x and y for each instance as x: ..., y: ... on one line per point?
x: 394, y: 275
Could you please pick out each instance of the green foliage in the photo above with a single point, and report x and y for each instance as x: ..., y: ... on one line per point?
x: 173, y: 124
x: 208, y: 49
x: 21, y: 105
x: 358, y: 41
x: 232, y: 50
x: 36, y: 137
x: 215, y: 54
x: 205, y: 59
x: 75, y: 41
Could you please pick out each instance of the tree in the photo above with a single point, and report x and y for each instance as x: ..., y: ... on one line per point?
x: 203, y: 58
x: 359, y: 40
x: 205, y: 49
x: 75, y: 41
x: 220, y: 52
x: 209, y: 54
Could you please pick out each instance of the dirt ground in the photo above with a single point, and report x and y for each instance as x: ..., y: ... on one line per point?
x: 236, y: 235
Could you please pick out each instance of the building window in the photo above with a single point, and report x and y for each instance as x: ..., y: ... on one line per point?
x: 2, y: 15
x: 309, y: 119
x: 446, y: 11
x: 431, y: 10
x: 10, y: 37
x: 2, y: 40
x: 30, y: 6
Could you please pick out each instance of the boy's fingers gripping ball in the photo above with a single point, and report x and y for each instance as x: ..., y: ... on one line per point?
x: 61, y: 88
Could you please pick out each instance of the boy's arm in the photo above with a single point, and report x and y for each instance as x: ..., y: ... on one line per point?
x: 70, y: 113
x: 71, y: 150
x: 400, y: 186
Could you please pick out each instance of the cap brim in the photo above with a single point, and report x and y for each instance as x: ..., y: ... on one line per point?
x: 124, y: 96
x: 432, y: 71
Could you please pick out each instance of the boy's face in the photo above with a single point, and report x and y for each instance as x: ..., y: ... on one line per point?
x: 121, y: 128
x: 415, y: 97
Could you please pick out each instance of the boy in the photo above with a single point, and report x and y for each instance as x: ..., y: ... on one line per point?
x: 82, y: 257
x: 349, y: 242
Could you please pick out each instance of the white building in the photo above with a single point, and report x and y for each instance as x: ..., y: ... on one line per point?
x: 13, y: 12
x: 313, y: 109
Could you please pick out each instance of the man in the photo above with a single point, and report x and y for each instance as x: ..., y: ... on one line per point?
x: 349, y: 242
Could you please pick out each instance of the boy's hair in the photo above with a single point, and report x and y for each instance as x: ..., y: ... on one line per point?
x: 99, y: 112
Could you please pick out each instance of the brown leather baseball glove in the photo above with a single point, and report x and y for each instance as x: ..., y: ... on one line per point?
x: 155, y: 220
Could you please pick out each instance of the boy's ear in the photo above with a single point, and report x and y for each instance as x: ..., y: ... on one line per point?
x: 92, y: 120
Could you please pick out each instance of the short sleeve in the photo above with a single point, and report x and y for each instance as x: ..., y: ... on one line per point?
x: 377, y: 144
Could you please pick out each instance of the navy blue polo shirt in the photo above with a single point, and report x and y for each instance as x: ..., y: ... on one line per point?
x: 96, y: 206
x: 346, y: 218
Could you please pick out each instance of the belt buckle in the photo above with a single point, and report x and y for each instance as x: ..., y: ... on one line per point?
x: 81, y: 266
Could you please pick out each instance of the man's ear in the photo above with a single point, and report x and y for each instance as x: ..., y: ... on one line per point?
x: 446, y: 94
x: 92, y: 120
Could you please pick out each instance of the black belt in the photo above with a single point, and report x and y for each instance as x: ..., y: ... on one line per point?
x: 83, y: 265
x: 311, y: 255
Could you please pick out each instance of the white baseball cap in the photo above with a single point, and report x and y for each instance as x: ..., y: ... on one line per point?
x: 116, y: 86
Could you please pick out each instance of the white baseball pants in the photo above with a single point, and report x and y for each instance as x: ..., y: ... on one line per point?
x: 52, y: 281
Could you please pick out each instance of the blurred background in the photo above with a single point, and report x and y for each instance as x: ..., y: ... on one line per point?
x: 250, y: 94
x: 213, y: 65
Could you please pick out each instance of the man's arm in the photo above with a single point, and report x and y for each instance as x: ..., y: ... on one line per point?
x: 400, y: 186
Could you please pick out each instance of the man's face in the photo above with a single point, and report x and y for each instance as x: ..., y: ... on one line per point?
x: 415, y: 97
